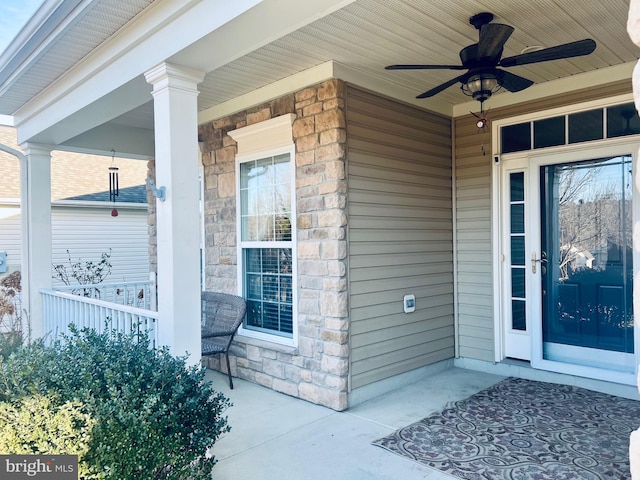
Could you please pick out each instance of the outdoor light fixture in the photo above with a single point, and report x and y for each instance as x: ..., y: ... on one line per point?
x: 481, y: 86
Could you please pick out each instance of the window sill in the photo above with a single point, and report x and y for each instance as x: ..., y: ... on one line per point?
x: 256, y: 342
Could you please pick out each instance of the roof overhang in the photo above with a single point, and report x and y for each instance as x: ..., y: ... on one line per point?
x: 103, y: 103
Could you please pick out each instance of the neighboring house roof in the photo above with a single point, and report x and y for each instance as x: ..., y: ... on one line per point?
x: 137, y: 194
x: 75, y: 176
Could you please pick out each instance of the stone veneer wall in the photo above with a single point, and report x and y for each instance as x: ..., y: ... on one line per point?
x: 317, y: 370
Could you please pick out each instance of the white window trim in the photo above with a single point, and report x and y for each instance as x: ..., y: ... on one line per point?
x: 255, y: 155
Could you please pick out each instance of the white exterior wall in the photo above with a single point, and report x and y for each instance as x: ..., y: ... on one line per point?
x: 10, y: 236
x: 87, y: 232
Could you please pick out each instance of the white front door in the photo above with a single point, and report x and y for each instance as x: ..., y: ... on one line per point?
x: 567, y: 261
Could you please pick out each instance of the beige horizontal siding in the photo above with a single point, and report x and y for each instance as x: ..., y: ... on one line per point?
x: 473, y: 217
x: 400, y: 237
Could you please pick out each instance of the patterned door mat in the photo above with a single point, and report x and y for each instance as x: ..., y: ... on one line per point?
x: 522, y: 429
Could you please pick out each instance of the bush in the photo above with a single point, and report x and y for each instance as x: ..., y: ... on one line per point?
x: 9, y: 342
x: 155, y: 418
x: 35, y: 425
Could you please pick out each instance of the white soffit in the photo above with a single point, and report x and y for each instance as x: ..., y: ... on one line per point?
x: 366, y: 35
x: 74, y: 39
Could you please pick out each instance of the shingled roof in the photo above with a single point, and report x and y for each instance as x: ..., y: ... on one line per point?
x: 137, y: 194
x: 75, y: 176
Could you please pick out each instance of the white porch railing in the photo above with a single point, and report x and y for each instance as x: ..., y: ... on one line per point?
x: 61, y: 309
x: 134, y: 294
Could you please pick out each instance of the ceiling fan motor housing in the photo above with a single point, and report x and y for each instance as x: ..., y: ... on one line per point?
x: 480, y: 19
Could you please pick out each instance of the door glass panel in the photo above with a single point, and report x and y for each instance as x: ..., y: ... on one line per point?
x: 517, y: 250
x: 518, y: 318
x: 517, y: 254
x: 587, y: 260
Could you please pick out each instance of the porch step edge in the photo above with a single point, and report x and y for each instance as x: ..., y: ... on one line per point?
x: 524, y: 370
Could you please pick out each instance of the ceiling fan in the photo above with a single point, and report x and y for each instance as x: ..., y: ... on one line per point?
x: 481, y: 60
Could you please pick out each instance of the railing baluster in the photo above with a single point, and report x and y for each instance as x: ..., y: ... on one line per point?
x: 60, y: 309
x: 128, y: 292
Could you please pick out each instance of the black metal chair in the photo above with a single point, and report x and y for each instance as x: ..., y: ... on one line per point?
x: 222, y: 315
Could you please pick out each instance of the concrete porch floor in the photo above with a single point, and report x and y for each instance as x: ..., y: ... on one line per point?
x: 274, y: 436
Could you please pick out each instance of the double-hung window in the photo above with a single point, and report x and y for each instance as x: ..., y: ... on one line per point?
x: 266, y: 248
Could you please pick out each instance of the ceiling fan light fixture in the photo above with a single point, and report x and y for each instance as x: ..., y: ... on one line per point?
x: 481, y: 86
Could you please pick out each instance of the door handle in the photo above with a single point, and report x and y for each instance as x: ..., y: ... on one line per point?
x: 535, y: 260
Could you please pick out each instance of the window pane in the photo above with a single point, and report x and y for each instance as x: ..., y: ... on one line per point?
x: 254, y: 286
x: 265, y: 197
x: 622, y: 120
x: 548, y: 132
x: 253, y: 261
x: 517, y: 282
x: 586, y: 126
x: 283, y: 172
x: 254, y: 314
x: 517, y: 218
x: 517, y: 250
x: 270, y: 317
x: 283, y: 228
x: 268, y: 287
x: 516, y: 181
x: 518, y: 315
x: 516, y: 138
x: 286, y: 317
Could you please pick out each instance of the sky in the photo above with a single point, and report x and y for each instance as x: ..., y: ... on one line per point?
x: 13, y: 16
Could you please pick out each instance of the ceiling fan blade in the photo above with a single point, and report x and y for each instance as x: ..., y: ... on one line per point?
x: 493, y: 36
x: 439, y: 88
x: 513, y: 82
x: 567, y: 50
x: 424, y: 67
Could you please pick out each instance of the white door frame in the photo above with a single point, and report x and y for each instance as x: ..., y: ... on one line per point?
x: 567, y: 153
x: 516, y: 343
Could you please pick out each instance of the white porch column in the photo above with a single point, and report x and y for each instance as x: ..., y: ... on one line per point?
x: 35, y: 208
x: 177, y: 218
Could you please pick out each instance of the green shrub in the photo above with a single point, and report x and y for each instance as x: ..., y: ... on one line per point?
x: 155, y: 418
x: 9, y: 343
x: 40, y: 425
